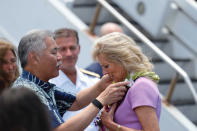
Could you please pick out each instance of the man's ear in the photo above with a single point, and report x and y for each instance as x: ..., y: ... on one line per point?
x: 33, y: 57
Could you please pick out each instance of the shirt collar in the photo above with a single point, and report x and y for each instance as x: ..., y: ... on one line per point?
x: 80, y: 76
x: 44, y: 85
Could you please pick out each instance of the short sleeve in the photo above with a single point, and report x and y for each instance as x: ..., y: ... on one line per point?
x: 55, y: 122
x: 64, y: 101
x: 144, y: 92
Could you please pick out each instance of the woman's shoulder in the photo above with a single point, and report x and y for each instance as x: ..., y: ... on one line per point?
x: 144, y: 81
x: 146, y: 84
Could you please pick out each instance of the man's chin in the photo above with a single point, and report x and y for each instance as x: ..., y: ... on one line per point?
x: 55, y: 74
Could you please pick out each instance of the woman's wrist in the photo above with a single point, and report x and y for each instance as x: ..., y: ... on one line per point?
x: 118, y: 128
x: 111, y: 125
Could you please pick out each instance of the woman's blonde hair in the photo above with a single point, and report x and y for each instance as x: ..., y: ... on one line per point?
x: 118, y: 47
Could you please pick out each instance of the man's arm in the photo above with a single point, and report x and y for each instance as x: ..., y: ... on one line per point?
x: 79, y: 122
x: 85, y: 96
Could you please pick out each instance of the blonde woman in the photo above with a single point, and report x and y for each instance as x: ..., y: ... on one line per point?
x: 122, y: 59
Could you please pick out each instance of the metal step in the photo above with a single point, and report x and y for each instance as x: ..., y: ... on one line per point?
x: 86, y: 11
x: 166, y: 72
x: 181, y: 94
x: 83, y: 2
x: 86, y: 14
x: 189, y: 111
x: 150, y: 15
x: 169, y: 46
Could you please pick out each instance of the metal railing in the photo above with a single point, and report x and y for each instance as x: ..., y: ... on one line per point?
x: 159, y: 52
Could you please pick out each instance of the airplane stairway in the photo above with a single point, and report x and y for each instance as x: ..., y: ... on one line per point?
x: 170, y: 24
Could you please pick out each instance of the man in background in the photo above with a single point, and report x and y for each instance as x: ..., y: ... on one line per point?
x: 72, y: 79
x: 109, y: 28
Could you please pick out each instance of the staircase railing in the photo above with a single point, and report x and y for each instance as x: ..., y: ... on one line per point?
x: 149, y: 43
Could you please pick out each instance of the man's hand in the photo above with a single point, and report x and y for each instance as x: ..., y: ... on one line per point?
x: 113, y: 93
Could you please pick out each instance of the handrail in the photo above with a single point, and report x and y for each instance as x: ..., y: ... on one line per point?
x: 66, y: 12
x: 93, y: 24
x: 172, y: 87
x: 143, y: 38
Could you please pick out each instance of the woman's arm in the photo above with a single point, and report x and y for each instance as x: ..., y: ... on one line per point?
x: 148, y: 118
x: 146, y: 115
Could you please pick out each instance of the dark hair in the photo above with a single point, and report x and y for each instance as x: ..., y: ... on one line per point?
x: 5, y: 81
x: 65, y: 32
x: 22, y: 110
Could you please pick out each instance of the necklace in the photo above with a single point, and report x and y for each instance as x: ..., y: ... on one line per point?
x: 151, y: 75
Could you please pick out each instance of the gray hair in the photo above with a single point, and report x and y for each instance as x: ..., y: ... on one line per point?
x: 32, y: 41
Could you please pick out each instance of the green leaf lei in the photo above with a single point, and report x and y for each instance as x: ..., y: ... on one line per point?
x: 151, y: 75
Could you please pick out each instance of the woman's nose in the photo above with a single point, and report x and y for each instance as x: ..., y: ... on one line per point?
x: 11, y: 64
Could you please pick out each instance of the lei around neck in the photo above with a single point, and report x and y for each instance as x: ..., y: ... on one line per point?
x: 151, y: 75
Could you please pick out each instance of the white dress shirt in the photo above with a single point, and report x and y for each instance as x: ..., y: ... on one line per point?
x: 83, y: 81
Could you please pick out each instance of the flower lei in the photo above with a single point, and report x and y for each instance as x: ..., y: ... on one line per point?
x: 151, y: 75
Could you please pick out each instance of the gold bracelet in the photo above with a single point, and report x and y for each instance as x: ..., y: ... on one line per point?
x: 118, y: 128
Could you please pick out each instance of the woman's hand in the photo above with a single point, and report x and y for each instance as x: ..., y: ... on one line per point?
x: 107, y: 115
x: 105, y: 81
